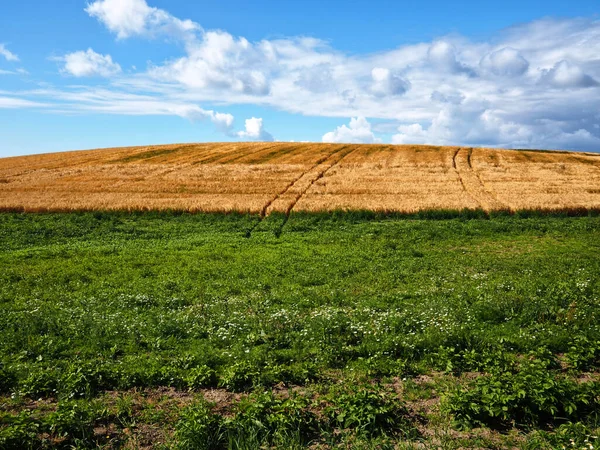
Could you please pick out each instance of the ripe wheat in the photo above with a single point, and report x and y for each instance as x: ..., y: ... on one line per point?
x: 267, y: 177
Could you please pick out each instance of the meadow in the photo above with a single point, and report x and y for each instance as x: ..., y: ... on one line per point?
x: 313, y: 330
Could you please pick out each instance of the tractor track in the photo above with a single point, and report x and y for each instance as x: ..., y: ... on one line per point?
x: 474, y: 186
x: 304, y: 191
x: 263, y: 211
x: 483, y: 186
x: 460, y: 178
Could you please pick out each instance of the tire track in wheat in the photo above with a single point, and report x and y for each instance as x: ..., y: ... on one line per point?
x: 472, y: 182
x: 266, y: 208
x: 460, y: 178
x: 320, y: 175
x: 500, y: 205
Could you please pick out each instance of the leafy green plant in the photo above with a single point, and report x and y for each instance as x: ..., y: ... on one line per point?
x: 74, y: 421
x: 583, y: 354
x: 267, y: 418
x: 8, y: 379
x: 40, y: 381
x: 241, y: 375
x: 294, y: 374
x: 84, y: 379
x: 124, y: 411
x: 19, y: 432
x: 533, y: 396
x: 202, y: 376
x: 368, y: 409
x: 199, y: 428
x: 576, y: 436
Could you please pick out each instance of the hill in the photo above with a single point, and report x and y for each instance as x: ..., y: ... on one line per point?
x: 266, y: 177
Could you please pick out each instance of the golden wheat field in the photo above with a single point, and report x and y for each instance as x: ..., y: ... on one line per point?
x: 284, y: 177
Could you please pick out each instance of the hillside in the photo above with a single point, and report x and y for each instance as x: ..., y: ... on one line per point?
x: 267, y: 177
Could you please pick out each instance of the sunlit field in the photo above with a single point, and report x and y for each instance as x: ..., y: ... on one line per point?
x: 261, y: 178
x: 337, y: 330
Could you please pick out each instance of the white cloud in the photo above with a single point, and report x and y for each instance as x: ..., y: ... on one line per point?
x: 386, y: 83
x: 451, y: 90
x: 473, y: 123
x: 316, y: 79
x: 445, y: 95
x: 222, y: 63
x: 567, y: 75
x: 99, y: 100
x: 14, y: 103
x: 410, y: 134
x: 442, y: 55
x: 576, y: 140
x: 466, y: 123
x: 535, y: 84
x: 223, y: 121
x: 19, y: 71
x: 89, y: 63
x: 128, y: 18
x: 505, y: 62
x: 357, y: 132
x: 255, y: 131
x: 8, y: 55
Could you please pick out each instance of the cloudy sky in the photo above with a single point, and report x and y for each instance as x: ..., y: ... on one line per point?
x: 522, y: 74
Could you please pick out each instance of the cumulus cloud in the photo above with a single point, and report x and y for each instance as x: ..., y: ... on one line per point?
x: 442, y: 55
x: 505, y: 62
x: 468, y: 123
x: 473, y: 123
x: 316, y: 79
x: 222, y: 62
x: 255, y: 131
x: 386, y: 83
x: 357, y: 132
x: 89, y: 63
x: 571, y: 140
x: 411, y: 134
x: 447, y: 96
x: 567, y: 75
x: 222, y: 121
x: 8, y: 55
x: 128, y: 18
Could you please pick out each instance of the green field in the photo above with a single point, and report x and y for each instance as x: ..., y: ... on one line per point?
x: 334, y: 331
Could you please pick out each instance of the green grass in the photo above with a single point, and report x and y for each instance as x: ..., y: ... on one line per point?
x: 504, y: 312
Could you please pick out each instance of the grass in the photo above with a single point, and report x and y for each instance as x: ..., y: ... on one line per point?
x: 359, y: 330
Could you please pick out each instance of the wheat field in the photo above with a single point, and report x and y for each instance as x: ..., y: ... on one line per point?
x: 266, y: 177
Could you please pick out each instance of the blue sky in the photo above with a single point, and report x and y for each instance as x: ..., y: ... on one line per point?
x: 521, y: 74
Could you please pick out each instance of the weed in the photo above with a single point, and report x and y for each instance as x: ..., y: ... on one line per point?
x: 534, y: 396
x: 19, y: 432
x: 269, y: 419
x: 199, y: 428
x: 370, y: 410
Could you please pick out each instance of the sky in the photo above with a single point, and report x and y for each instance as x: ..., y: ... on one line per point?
x: 106, y: 73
